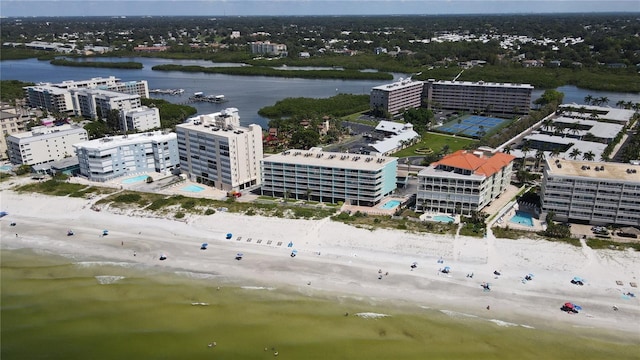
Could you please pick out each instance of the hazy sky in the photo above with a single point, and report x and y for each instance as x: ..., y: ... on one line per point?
x: 12, y: 8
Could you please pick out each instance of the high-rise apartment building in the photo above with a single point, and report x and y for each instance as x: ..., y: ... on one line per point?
x: 216, y: 151
x: 497, y: 98
x: 44, y: 144
x: 397, y: 97
x: 598, y: 193
x: 329, y: 177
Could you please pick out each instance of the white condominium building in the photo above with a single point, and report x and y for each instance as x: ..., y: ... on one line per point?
x: 329, y: 177
x: 12, y: 120
x: 266, y: 47
x: 50, y: 98
x: 463, y: 182
x: 216, y: 151
x: 62, y: 97
x: 94, y: 103
x: 111, y: 83
x: 141, y: 119
x: 598, y: 193
x: 44, y: 144
x: 397, y: 97
x: 505, y: 98
x: 111, y: 157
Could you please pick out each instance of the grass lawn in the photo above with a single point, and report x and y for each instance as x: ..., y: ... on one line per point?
x: 436, y: 142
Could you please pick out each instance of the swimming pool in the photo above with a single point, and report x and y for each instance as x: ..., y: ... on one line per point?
x: 522, y: 218
x: 391, y: 204
x: 443, y: 219
x: 192, y: 188
x: 135, y: 179
x: 6, y: 168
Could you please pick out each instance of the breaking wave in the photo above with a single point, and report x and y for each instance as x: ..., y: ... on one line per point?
x: 108, y: 279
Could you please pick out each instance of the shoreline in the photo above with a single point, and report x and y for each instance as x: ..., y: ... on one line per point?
x: 337, y: 260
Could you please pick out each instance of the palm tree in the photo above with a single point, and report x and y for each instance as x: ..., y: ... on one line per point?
x: 588, y: 99
x: 525, y: 150
x: 603, y: 100
x: 555, y: 152
x: 575, y: 153
x: 539, y: 158
x: 620, y: 104
x: 575, y: 127
x: 507, y: 149
x: 589, y: 156
x: 547, y: 123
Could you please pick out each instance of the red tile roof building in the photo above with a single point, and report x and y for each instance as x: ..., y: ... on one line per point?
x: 463, y: 182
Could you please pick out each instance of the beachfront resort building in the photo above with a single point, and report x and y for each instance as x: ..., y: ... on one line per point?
x: 115, y: 156
x: 598, y: 193
x: 397, y: 97
x: 328, y: 176
x: 132, y: 116
x: 44, y: 144
x: 463, y: 182
x: 480, y: 96
x: 216, y: 151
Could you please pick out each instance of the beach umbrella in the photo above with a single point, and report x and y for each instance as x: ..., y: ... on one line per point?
x: 446, y: 268
x: 578, y: 279
x: 3, y: 213
x: 229, y: 236
x: 105, y: 232
x: 204, y: 246
x: 290, y: 244
x: 568, y: 305
x: 577, y: 307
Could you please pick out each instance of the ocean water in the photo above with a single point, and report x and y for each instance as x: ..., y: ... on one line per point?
x: 56, y: 308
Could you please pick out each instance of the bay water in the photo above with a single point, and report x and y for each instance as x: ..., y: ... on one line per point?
x: 247, y: 93
x: 63, y: 307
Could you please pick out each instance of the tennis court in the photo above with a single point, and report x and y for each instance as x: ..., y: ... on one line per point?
x: 471, y: 125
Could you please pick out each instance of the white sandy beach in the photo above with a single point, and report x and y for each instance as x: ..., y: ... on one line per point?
x: 336, y: 259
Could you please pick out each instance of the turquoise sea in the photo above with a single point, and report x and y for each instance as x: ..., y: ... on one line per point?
x: 53, y: 307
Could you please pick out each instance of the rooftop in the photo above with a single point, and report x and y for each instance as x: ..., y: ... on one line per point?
x: 48, y: 130
x: 605, y: 170
x: 115, y: 141
x: 401, y: 84
x: 604, y: 112
x: 476, y: 161
x: 482, y: 83
x: 317, y: 157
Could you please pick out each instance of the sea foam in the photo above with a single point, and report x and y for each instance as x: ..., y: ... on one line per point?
x: 108, y: 279
x: 457, y: 314
x: 257, y: 288
x: 86, y: 264
x: 371, y: 315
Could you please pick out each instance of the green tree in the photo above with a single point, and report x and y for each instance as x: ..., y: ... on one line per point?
x: 305, y: 139
x: 113, y: 120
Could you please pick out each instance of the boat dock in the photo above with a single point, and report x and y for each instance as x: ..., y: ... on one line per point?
x: 200, y: 97
x: 167, y: 91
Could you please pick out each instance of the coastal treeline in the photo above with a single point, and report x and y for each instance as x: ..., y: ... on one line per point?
x: 98, y: 64
x: 269, y: 71
x: 602, y: 79
x: 298, y: 108
x: 11, y: 90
